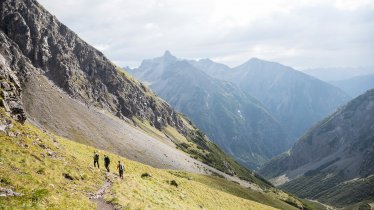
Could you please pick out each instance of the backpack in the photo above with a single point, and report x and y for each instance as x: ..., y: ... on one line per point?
x: 121, y: 167
x: 96, y: 156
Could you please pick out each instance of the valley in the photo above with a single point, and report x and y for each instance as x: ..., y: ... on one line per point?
x: 191, y: 133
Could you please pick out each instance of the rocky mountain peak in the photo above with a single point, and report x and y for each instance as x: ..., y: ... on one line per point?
x: 168, y: 57
x: 167, y: 53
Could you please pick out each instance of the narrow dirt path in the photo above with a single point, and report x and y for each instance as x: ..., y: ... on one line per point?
x: 98, y: 199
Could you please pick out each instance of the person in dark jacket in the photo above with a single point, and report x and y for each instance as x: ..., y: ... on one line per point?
x: 106, y: 162
x: 96, y: 159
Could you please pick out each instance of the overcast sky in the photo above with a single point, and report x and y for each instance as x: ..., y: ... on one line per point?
x: 298, y: 33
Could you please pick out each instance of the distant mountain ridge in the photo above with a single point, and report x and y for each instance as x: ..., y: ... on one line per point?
x: 355, y: 86
x: 333, y: 161
x: 236, y: 121
x: 295, y: 99
x: 338, y: 73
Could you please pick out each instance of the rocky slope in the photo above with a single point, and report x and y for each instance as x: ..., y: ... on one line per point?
x: 333, y: 162
x: 295, y: 99
x: 48, y: 58
x: 234, y: 120
x: 10, y: 86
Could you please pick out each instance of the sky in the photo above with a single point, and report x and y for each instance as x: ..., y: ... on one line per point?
x: 299, y: 33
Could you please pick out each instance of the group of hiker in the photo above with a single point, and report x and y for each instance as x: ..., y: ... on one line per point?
x: 120, y: 166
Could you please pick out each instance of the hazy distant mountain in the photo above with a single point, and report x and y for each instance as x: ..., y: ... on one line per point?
x: 233, y: 119
x: 216, y: 70
x: 294, y: 98
x: 357, y: 85
x: 333, y: 162
x: 334, y: 74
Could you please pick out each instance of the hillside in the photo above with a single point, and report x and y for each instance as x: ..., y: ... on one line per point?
x: 40, y: 170
x: 72, y: 89
x: 333, y: 161
x: 355, y: 86
x: 295, y: 99
x: 238, y: 123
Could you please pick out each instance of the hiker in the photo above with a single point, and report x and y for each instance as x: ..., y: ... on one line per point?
x: 106, y: 162
x: 120, y: 169
x: 96, y: 159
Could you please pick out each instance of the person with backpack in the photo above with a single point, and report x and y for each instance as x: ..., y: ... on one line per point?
x: 106, y: 162
x: 96, y: 159
x: 120, y: 168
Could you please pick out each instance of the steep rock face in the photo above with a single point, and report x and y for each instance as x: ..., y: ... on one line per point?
x: 78, y: 68
x: 338, y: 151
x: 10, y: 85
x: 233, y: 119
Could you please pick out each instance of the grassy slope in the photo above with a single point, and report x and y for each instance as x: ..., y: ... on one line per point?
x: 26, y: 167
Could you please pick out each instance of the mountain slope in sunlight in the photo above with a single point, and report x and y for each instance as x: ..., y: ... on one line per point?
x: 48, y: 171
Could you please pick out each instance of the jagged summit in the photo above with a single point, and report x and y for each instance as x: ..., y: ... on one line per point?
x: 168, y: 57
x: 167, y: 54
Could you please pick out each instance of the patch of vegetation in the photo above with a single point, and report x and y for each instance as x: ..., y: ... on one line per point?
x: 145, y: 175
x: 308, y: 187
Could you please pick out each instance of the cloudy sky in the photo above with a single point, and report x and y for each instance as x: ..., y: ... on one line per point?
x: 299, y: 33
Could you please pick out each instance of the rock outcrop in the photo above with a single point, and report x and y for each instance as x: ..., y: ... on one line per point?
x: 10, y: 86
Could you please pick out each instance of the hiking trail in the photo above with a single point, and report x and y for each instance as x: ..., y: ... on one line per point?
x: 97, y: 197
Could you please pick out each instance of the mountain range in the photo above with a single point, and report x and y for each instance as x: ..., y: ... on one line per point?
x: 237, y: 122
x: 223, y: 100
x: 333, y: 161
x: 295, y: 99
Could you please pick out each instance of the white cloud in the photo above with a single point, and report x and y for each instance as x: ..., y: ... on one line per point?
x: 352, y: 5
x: 300, y: 33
